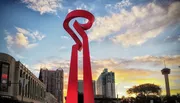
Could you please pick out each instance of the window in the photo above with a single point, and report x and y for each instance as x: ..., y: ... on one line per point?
x: 20, y: 87
x: 20, y: 73
x: 4, y: 77
x: 23, y: 75
x: 26, y: 90
x: 26, y: 76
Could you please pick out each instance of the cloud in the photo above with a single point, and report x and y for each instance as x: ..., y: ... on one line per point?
x: 9, y: 40
x: 20, y: 56
x: 65, y: 37
x: 21, y: 30
x: 118, y: 6
x: 144, y: 65
x: 136, y: 26
x: 82, y: 6
x: 52, y: 63
x: 169, y: 60
x: 69, y: 10
x: 22, y: 40
x: 44, y: 6
x: 136, y: 37
x: 172, y: 38
x: 128, y: 72
x: 78, y: 5
x: 123, y: 66
x: 62, y: 48
x: 35, y: 35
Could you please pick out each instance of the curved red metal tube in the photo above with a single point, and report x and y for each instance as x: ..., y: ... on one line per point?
x: 75, y: 14
x: 72, y: 92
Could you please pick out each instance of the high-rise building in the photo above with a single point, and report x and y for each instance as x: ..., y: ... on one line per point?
x: 80, y: 86
x: 106, y: 84
x: 53, y: 79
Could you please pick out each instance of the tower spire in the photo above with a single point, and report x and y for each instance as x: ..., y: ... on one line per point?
x: 165, y: 72
x: 164, y: 64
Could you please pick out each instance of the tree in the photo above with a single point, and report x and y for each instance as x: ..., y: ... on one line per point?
x: 145, y: 90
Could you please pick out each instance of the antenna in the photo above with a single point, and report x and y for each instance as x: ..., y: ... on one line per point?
x: 164, y: 64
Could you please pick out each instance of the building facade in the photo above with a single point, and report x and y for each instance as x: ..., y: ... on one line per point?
x: 80, y: 86
x: 54, y: 81
x: 19, y: 82
x: 50, y: 98
x: 106, y: 84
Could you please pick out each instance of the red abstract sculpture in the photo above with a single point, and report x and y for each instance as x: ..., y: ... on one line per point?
x: 72, y: 92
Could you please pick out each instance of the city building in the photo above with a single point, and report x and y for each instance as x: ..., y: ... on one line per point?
x: 54, y: 81
x: 80, y: 86
x: 106, y: 84
x: 50, y: 98
x: 17, y: 82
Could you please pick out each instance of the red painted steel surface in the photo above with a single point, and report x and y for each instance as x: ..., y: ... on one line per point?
x: 72, y: 92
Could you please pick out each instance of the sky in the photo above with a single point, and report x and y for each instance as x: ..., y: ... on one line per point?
x: 129, y: 37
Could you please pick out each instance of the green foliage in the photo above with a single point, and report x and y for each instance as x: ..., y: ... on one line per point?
x: 145, y: 90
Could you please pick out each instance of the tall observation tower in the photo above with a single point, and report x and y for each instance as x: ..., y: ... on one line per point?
x: 165, y: 72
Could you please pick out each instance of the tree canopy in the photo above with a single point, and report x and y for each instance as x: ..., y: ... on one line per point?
x: 145, y: 89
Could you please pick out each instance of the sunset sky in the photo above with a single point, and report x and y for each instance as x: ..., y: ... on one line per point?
x: 129, y: 37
